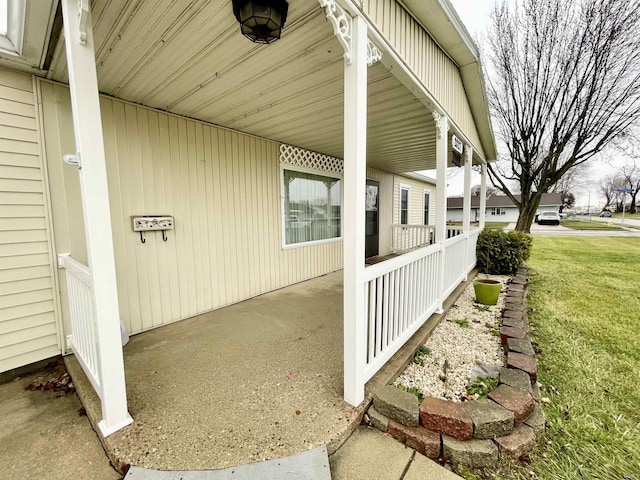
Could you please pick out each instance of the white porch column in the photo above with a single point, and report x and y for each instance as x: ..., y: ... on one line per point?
x: 442, y: 127
x: 466, y: 207
x: 483, y: 195
x: 355, y: 158
x: 87, y: 126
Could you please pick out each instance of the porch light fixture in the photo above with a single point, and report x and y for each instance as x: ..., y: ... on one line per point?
x: 261, y: 21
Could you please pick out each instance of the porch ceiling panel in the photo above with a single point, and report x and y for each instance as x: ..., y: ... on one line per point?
x: 190, y: 59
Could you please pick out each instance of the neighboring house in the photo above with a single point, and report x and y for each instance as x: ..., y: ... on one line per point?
x: 500, y: 208
x: 155, y: 165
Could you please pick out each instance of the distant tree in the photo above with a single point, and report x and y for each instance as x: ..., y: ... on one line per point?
x: 630, y: 171
x: 609, y: 187
x: 491, y: 191
x: 567, y: 185
x: 565, y: 83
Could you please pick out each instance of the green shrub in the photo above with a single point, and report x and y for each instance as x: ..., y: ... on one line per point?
x: 501, y: 253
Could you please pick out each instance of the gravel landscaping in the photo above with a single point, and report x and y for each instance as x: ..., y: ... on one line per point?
x: 467, y: 337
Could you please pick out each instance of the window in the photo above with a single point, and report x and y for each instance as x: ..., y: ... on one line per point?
x: 312, y: 206
x: 12, y: 18
x: 498, y: 211
x: 404, y: 205
x: 426, y: 207
x: 3, y: 17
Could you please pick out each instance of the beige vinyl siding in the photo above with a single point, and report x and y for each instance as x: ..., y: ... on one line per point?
x: 416, y: 200
x: 224, y: 190
x: 439, y: 74
x: 28, y: 321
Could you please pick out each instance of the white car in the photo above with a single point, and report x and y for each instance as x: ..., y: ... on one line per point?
x: 549, y: 218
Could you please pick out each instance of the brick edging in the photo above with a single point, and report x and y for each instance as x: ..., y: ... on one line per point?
x: 475, y: 433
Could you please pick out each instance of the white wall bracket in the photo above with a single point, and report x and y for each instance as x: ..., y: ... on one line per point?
x: 342, y: 24
x: 72, y: 159
x: 83, y: 16
x: 373, y: 53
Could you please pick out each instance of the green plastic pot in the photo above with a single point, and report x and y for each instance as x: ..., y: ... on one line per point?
x: 487, y: 291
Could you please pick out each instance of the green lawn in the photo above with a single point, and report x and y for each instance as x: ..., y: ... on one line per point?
x: 585, y: 298
x: 627, y: 215
x: 586, y: 225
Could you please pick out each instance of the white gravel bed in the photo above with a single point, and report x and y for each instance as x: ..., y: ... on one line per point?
x: 460, y: 347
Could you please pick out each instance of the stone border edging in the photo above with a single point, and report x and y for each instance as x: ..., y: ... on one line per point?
x: 475, y: 433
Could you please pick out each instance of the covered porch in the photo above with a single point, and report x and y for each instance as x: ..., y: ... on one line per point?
x: 346, y: 98
x: 257, y: 380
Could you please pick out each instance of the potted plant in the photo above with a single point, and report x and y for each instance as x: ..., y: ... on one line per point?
x: 487, y: 290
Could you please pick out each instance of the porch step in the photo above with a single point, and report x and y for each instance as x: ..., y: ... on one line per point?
x: 310, y: 465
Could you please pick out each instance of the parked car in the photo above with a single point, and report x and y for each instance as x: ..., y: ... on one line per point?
x: 605, y: 213
x: 549, y: 218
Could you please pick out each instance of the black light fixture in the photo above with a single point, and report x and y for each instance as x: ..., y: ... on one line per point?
x: 261, y: 21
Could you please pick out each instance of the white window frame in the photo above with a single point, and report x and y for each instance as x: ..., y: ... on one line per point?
x: 495, y: 211
x: 11, y: 42
x: 407, y: 188
x: 283, y: 233
x: 424, y: 194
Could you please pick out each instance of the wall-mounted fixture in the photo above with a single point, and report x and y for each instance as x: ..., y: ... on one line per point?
x: 261, y: 21
x: 152, y: 223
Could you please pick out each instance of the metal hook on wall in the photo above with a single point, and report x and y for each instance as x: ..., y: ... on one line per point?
x: 164, y: 235
x: 142, y: 239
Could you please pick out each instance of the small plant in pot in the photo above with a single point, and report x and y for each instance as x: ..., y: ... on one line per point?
x: 498, y: 253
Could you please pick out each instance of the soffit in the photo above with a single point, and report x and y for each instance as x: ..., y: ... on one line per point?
x: 190, y: 59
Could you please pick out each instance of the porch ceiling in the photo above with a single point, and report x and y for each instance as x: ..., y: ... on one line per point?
x: 190, y: 59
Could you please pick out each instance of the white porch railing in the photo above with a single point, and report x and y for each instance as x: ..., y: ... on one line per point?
x: 408, y: 237
x: 401, y: 295
x: 455, y: 263
x: 83, y: 339
x: 472, y: 242
x: 454, y: 231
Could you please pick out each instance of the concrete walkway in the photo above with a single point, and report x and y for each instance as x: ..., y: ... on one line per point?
x: 369, y: 454
x: 261, y: 379
x: 258, y: 380
x: 43, y: 436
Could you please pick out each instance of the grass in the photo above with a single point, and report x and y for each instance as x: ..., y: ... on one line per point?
x: 586, y: 296
x: 581, y: 225
x: 635, y: 216
x: 475, y: 224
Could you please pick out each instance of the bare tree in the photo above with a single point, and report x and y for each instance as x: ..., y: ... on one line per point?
x: 491, y: 191
x: 565, y: 84
x: 630, y: 171
x: 609, y: 187
x: 567, y: 185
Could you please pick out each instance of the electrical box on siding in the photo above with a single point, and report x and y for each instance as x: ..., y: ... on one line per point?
x: 148, y: 223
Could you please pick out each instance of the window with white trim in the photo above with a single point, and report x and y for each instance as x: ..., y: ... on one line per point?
x: 426, y: 205
x: 12, y: 18
x: 498, y: 211
x: 404, y: 205
x: 312, y: 206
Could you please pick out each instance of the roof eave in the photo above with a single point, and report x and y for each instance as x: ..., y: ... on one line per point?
x: 442, y: 22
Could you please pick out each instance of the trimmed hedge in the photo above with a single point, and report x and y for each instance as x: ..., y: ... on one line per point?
x: 501, y: 253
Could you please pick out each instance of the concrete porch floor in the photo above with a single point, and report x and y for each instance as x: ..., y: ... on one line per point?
x: 258, y: 380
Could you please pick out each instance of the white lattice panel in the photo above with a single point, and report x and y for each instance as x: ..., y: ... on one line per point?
x: 308, y: 159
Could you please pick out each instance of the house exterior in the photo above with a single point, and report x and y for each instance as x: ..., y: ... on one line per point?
x: 499, y: 208
x: 148, y: 175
